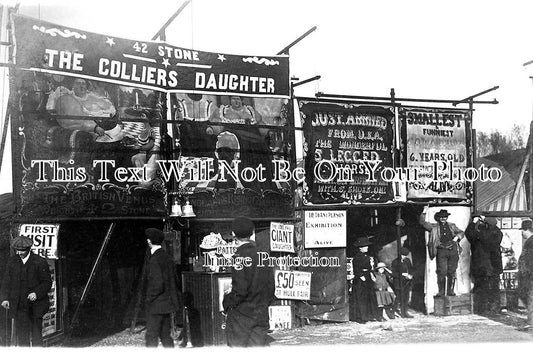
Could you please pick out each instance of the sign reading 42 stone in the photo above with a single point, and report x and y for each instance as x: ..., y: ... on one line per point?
x: 51, y: 48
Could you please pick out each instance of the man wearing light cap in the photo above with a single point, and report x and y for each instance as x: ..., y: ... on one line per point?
x: 161, y: 292
x: 24, y: 292
x: 252, y: 291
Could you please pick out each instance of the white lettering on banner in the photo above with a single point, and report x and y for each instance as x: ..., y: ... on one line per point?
x: 281, y: 237
x: 293, y: 285
x: 63, y: 59
x: 233, y: 82
x: 142, y: 74
x: 44, y: 239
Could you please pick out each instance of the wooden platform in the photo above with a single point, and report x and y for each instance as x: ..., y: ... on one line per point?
x: 459, y: 305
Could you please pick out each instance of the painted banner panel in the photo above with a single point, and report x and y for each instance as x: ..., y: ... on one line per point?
x: 54, y: 49
x: 235, y: 153
x: 346, y: 148
x: 436, y: 143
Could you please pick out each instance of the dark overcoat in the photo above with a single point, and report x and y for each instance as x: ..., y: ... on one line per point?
x: 39, y: 282
x: 161, y: 289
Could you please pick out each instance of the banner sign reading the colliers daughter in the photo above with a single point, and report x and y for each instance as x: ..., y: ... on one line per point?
x: 51, y: 48
x: 89, y: 136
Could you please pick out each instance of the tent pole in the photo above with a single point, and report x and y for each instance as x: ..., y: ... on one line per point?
x: 91, y: 278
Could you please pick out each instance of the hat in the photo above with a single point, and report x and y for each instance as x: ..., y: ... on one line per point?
x: 22, y: 243
x: 156, y: 236
x: 242, y: 227
x: 526, y: 224
x: 442, y: 213
x: 363, y: 241
x: 382, y: 265
x: 404, y: 251
x: 493, y: 221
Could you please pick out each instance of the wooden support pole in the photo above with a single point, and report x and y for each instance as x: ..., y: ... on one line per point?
x: 161, y: 32
x: 286, y: 49
x: 91, y: 277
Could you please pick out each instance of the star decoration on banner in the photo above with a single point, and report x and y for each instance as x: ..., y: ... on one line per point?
x: 110, y: 41
x: 221, y: 57
x: 166, y: 63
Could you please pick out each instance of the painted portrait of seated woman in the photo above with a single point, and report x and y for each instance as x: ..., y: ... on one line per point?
x: 79, y: 101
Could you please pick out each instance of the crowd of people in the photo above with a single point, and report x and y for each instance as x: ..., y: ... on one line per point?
x: 377, y: 291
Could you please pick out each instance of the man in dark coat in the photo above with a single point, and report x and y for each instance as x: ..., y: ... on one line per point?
x: 485, y: 263
x: 443, y: 243
x: 252, y: 291
x: 161, y: 292
x: 24, y: 292
x: 525, y: 279
x: 402, y: 274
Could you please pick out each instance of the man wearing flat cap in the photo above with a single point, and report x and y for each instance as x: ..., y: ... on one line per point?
x: 24, y: 292
x: 252, y: 291
x: 444, y: 244
x: 161, y: 292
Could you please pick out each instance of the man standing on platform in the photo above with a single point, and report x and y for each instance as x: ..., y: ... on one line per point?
x: 24, y: 292
x: 444, y: 243
x: 161, y: 292
x: 402, y: 276
x: 252, y: 291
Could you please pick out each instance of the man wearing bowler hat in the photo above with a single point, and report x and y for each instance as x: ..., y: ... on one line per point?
x: 252, y: 291
x: 161, y: 292
x: 24, y: 292
x: 444, y: 243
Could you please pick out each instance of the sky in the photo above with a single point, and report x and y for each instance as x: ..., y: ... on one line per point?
x: 423, y: 49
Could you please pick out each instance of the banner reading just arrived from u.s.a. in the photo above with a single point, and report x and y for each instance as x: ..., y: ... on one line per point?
x: 51, y: 48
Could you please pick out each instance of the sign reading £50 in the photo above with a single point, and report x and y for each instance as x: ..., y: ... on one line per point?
x: 54, y: 49
x: 44, y: 239
x: 293, y: 285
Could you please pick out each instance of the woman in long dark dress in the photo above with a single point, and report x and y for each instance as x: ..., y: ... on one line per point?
x: 363, y: 301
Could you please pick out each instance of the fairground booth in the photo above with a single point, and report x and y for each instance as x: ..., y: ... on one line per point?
x: 111, y: 136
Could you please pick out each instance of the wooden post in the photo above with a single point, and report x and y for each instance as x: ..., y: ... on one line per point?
x: 91, y: 278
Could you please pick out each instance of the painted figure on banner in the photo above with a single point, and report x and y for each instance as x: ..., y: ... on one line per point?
x: 252, y: 291
x: 402, y: 273
x: 24, y: 292
x: 385, y: 296
x: 194, y: 107
x: 486, y: 263
x: 363, y: 304
x: 444, y: 244
x: 80, y: 101
x: 161, y: 292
